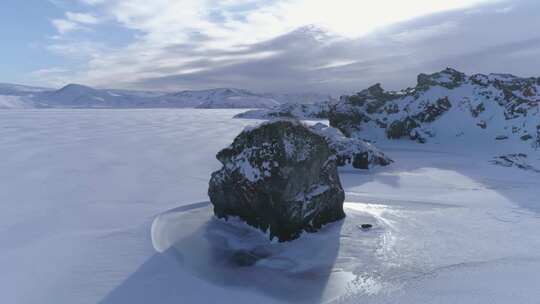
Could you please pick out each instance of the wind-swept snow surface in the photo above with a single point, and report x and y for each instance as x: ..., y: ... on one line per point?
x: 80, y: 190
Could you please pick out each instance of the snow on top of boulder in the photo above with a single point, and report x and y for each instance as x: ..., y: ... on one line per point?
x: 246, y: 168
x: 297, y: 148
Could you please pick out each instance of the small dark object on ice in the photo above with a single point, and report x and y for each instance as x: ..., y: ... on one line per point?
x: 365, y: 226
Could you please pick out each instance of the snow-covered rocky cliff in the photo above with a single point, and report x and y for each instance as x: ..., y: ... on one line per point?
x: 311, y: 110
x: 447, y: 104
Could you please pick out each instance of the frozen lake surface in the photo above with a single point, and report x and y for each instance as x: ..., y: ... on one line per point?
x: 81, y: 190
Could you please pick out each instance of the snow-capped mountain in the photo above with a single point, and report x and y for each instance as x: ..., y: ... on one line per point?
x: 80, y: 96
x: 447, y: 104
x: 15, y: 96
x: 313, y: 110
x: 19, y: 90
x: 14, y: 102
x: 224, y: 98
x: 238, y: 98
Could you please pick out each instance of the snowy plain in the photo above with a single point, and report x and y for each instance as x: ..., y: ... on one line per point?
x: 105, y: 206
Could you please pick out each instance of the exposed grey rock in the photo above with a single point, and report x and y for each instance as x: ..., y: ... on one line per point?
x: 482, y: 124
x: 352, y: 151
x: 448, y: 78
x: 518, y: 160
x: 280, y: 177
x: 402, y: 128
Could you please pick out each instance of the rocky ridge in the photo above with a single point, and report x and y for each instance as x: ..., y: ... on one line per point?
x: 312, y: 110
x: 447, y: 103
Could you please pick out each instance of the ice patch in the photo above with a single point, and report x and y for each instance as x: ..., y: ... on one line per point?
x: 317, y: 267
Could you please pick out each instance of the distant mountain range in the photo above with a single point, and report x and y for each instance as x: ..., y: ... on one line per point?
x: 80, y: 96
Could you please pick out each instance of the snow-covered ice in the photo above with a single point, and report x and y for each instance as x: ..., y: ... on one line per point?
x: 110, y: 206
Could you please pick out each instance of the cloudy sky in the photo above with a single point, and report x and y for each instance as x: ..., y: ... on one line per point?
x: 330, y: 46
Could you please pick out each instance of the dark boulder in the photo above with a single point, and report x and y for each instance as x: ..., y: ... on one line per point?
x: 365, y: 226
x: 280, y: 177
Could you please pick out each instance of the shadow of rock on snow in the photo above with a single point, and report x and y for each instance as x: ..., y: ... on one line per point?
x: 192, y: 243
x: 158, y: 280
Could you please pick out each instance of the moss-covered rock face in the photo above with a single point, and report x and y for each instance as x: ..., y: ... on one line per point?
x: 281, y: 178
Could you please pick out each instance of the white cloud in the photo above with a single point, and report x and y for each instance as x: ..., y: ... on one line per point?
x: 505, y: 10
x: 195, y: 38
x: 425, y: 32
x: 355, y: 18
x: 54, y: 76
x: 93, y: 2
x: 64, y: 26
x: 74, y: 22
x: 82, y: 18
x: 170, y: 21
x: 85, y: 50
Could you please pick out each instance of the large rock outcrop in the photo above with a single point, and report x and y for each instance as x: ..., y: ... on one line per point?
x: 280, y: 177
x: 352, y: 151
